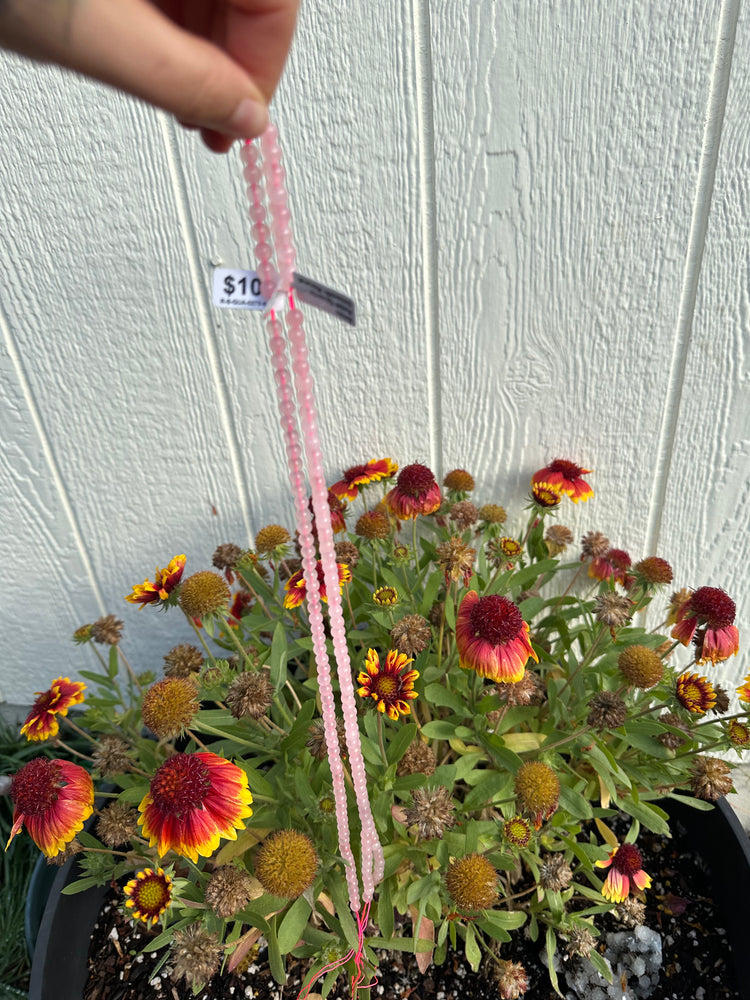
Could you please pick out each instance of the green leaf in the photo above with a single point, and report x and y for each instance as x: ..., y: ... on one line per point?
x: 430, y: 593
x: 403, y: 738
x: 551, y: 942
x: 450, y: 613
x: 473, y: 952
x: 521, y: 579
x: 490, y: 785
x: 80, y: 886
x: 278, y: 657
x: 508, y: 920
x: 114, y: 663
x: 439, y: 694
x: 440, y: 729
x: 600, y: 965
x: 652, y: 817
x: 694, y: 803
x: 298, y: 733
x: 385, y: 909
x: 574, y: 803
x: 275, y: 961
x: 293, y: 924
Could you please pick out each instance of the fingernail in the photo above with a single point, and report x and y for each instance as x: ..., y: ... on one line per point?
x: 249, y: 119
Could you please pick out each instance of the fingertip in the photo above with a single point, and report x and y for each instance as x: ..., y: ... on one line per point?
x: 216, y: 141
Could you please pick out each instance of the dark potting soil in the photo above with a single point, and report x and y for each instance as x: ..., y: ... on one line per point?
x: 696, y: 955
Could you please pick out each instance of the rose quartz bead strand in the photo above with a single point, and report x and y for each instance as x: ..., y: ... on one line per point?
x: 288, y: 413
x: 372, y: 853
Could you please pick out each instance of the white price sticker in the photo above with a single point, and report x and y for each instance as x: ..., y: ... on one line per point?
x: 236, y: 289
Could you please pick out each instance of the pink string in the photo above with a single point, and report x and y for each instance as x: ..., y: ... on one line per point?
x: 279, y: 233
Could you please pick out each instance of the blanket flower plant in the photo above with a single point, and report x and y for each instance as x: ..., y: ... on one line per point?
x: 512, y: 709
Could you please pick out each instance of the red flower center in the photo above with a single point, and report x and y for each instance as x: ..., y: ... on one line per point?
x: 35, y: 788
x: 496, y: 619
x: 355, y: 472
x: 627, y: 860
x: 414, y: 480
x: 618, y: 558
x: 181, y: 784
x: 713, y: 604
x: 569, y: 470
x: 46, y: 702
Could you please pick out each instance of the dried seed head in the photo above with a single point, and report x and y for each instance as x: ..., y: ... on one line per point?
x: 107, y: 630
x: 464, y: 514
x: 594, y: 545
x: 347, y: 552
x: 432, y: 811
x: 183, y: 660
x: 555, y: 872
x: 538, y: 789
x: 195, y: 955
x: 459, y: 480
x: 117, y: 824
x: 631, y: 912
x: 204, y: 593
x: 456, y: 559
x: 653, y: 571
x: 373, y: 524
x: 557, y: 538
x: 227, y: 556
x: 493, y: 513
x: 286, y: 864
x: 228, y: 890
x: 419, y: 758
x: 271, y: 539
x: 607, y: 710
x: 581, y: 942
x: 472, y: 883
x: 111, y: 756
x: 169, y: 706
x: 671, y: 740
x: 70, y: 851
x: 710, y: 778
x: 722, y: 700
x: 316, y: 739
x: 613, y: 610
x: 512, y: 980
x: 678, y: 599
x: 249, y: 694
x: 411, y: 635
x: 640, y: 666
x: 530, y: 690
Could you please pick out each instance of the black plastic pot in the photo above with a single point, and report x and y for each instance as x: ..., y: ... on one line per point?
x: 59, y: 969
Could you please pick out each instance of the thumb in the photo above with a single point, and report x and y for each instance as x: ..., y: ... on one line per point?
x: 132, y: 46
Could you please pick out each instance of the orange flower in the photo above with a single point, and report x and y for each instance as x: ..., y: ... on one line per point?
x: 194, y: 800
x: 492, y: 637
x: 165, y: 581
x: 713, y: 609
x: 565, y: 477
x: 360, y: 475
x: 296, y: 588
x: 52, y: 799
x: 416, y: 492
x: 743, y: 691
x: 148, y: 894
x: 624, y: 865
x: 387, y: 685
x: 41, y: 722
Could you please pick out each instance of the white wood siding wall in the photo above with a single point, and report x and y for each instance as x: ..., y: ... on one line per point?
x: 514, y: 192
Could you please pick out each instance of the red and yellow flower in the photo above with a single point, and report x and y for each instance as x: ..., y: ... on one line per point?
x: 416, y: 492
x: 149, y: 894
x: 625, y: 865
x: 194, y: 801
x: 361, y: 475
x: 714, y: 610
x: 545, y: 495
x: 52, y: 799
x: 743, y: 691
x: 492, y: 637
x: 695, y: 693
x: 565, y: 477
x: 241, y: 603
x: 613, y: 565
x: 388, y: 685
x: 296, y: 588
x: 41, y: 722
x: 165, y: 581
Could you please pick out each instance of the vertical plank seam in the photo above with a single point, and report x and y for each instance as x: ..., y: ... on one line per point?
x: 202, y: 299
x: 717, y: 100
x: 49, y: 456
x: 428, y: 222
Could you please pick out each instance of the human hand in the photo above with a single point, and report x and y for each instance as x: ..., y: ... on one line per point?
x: 213, y: 63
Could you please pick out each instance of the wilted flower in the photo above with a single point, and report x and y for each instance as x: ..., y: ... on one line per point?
x: 117, y: 824
x: 432, y: 811
x: 613, y: 565
x: 555, y: 873
x: 512, y: 979
x: 722, y: 700
x: 456, y: 560
x: 228, y: 890
x: 631, y: 912
x: 225, y: 558
x: 195, y: 955
x: 373, y: 524
x: 419, y: 758
x: 107, y: 630
x: 416, y: 492
x: 492, y: 637
x: 565, y: 477
x: 607, y: 710
x: 594, y: 545
x: 710, y: 778
x: 411, y: 635
x: 464, y: 514
x: 183, y: 660
x: 714, y: 609
x: 613, y: 609
x: 557, y: 538
x: 165, y: 582
x: 389, y: 687
x: 112, y: 756
x: 347, y: 552
x: 580, y: 941
x: 316, y: 739
x: 625, y: 865
x: 249, y: 694
x: 668, y: 739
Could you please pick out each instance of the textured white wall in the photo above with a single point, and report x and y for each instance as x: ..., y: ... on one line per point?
x: 513, y: 193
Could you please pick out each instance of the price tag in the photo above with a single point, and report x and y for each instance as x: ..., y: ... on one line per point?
x: 235, y: 289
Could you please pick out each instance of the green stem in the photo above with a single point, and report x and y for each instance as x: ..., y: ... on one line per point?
x: 380, y: 740
x: 212, y: 731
